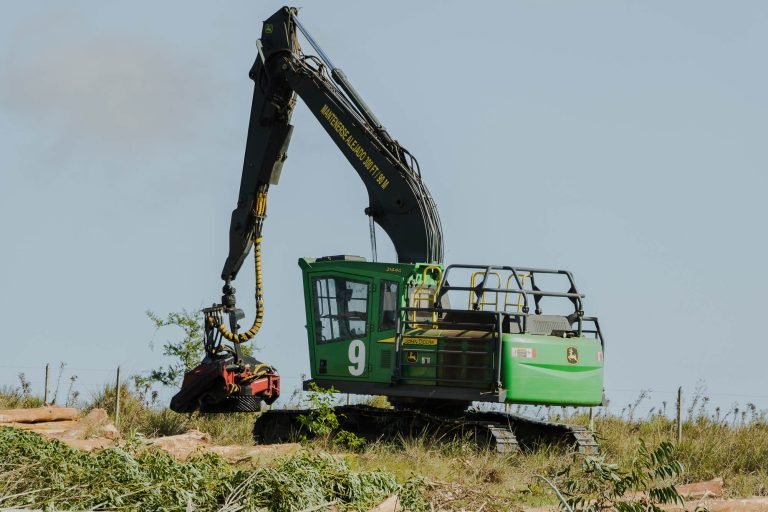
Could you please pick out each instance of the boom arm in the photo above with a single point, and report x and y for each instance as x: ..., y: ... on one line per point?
x: 399, y: 201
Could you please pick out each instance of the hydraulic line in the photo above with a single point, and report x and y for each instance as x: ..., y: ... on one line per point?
x: 260, y: 212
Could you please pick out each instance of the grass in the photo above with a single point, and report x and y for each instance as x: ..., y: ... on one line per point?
x: 738, y: 453
x: 460, y: 476
x: 17, y: 398
x: 454, y: 475
x: 471, y: 478
x: 140, y: 416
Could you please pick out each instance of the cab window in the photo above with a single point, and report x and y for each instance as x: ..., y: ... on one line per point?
x: 388, y: 305
x: 340, y: 308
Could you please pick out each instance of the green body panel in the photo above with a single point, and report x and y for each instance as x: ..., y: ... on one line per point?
x: 428, y: 356
x: 546, y: 376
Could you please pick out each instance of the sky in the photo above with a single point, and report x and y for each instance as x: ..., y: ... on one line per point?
x: 622, y: 140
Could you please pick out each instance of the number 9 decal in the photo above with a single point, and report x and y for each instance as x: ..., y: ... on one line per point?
x: 356, y: 355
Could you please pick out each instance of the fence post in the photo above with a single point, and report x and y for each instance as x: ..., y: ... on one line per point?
x: 45, y: 392
x: 117, y: 398
x: 679, y: 414
x: 591, y: 419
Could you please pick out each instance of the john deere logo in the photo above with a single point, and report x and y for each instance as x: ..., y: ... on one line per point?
x: 411, y: 356
x: 572, y: 355
x: 268, y: 28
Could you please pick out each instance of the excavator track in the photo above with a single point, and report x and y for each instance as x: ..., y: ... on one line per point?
x: 504, y: 433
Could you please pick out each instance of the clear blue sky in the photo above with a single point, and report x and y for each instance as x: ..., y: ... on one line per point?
x: 625, y: 141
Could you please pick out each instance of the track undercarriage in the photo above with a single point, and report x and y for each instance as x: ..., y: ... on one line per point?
x: 502, y: 432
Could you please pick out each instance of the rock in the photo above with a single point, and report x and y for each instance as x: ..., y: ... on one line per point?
x: 95, y: 424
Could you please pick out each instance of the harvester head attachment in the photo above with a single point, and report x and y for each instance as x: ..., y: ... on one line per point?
x: 223, y: 385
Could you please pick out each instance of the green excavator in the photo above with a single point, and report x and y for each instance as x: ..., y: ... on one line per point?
x: 432, y: 338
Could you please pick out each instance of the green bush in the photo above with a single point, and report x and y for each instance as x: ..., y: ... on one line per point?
x: 649, y: 481
x: 323, y: 423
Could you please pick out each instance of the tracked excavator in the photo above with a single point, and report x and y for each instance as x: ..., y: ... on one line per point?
x: 432, y: 338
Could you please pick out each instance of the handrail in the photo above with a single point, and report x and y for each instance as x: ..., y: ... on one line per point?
x: 519, y: 304
x: 515, y: 273
x: 480, y: 302
x: 423, y: 292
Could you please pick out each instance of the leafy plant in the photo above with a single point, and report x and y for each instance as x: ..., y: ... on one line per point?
x: 322, y: 421
x: 41, y: 474
x: 648, y: 482
x: 348, y: 440
x: 186, y: 353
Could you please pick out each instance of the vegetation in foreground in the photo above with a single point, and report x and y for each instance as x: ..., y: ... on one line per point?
x: 428, y: 472
x: 47, y: 474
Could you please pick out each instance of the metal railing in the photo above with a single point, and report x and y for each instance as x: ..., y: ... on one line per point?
x: 517, y: 276
x: 408, y: 321
x: 477, y: 318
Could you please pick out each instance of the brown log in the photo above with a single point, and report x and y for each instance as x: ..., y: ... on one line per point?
x: 696, y: 490
x: 391, y: 504
x: 38, y: 414
x: 46, y: 426
x: 183, y: 445
x: 709, y: 488
x: 235, y: 453
x: 94, y: 424
x: 754, y: 504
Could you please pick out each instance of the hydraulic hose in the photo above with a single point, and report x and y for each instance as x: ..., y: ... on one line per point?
x: 260, y: 212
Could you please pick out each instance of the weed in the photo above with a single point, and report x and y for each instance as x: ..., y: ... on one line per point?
x: 323, y: 423
x: 58, y: 382
x: 649, y: 482
x: 19, y: 397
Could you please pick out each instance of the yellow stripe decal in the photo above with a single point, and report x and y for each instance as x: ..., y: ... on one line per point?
x: 411, y: 341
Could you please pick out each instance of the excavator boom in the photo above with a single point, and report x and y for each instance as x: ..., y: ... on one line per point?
x: 399, y: 202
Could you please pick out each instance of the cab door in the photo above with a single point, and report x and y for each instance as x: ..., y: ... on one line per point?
x: 341, y: 325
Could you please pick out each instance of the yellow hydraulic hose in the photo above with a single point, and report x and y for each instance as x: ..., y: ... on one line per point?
x: 260, y: 211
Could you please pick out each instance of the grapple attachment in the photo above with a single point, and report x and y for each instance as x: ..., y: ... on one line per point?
x: 222, y: 385
x: 226, y: 380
